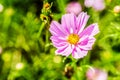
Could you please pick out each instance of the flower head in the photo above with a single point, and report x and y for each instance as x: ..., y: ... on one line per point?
x: 74, y: 7
x: 96, y: 74
x: 98, y: 5
x: 71, y: 37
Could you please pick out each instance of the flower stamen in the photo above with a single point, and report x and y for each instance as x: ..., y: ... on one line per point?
x: 73, y: 38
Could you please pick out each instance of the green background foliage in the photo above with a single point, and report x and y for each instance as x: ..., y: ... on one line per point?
x: 28, y: 54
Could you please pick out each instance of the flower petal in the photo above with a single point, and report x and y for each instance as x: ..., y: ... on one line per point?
x: 58, y: 41
x: 87, y: 43
x: 69, y: 23
x: 79, y: 53
x: 81, y: 21
x: 65, y: 51
x: 90, y: 30
x: 56, y: 29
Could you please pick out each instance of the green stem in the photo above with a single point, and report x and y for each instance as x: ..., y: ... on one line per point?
x: 40, y: 29
x: 47, y: 39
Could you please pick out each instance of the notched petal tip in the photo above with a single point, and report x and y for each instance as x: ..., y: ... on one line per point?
x: 56, y: 29
x: 52, y: 25
x: 96, y: 29
x: 82, y: 21
x: 68, y: 22
x: 83, y: 14
x: 91, y: 30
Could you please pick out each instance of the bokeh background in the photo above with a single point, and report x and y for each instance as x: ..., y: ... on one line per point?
x: 26, y: 52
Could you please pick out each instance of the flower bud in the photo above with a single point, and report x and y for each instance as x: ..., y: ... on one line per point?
x: 116, y: 9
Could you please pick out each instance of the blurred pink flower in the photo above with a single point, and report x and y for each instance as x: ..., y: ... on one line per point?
x: 74, y: 7
x: 0, y: 49
x: 98, y: 5
x: 96, y: 74
x: 71, y: 37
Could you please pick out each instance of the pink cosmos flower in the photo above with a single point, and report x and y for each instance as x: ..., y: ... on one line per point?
x: 74, y: 7
x: 96, y: 74
x: 71, y: 37
x: 98, y: 5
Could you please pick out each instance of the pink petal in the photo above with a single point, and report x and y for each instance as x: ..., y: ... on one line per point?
x: 59, y: 45
x: 78, y: 53
x: 90, y: 30
x: 87, y: 43
x: 84, y: 52
x: 58, y: 41
x: 69, y: 23
x: 56, y: 29
x: 81, y: 21
x: 58, y: 38
x: 65, y: 51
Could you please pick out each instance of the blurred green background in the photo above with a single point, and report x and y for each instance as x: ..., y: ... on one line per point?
x: 26, y: 52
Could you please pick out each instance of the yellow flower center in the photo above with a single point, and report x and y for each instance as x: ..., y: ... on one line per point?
x: 73, y: 39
